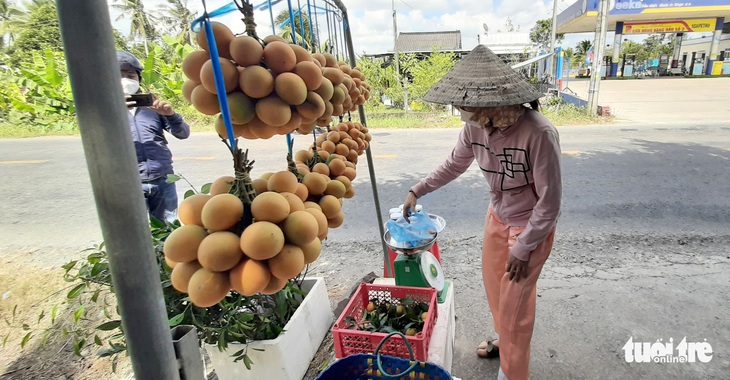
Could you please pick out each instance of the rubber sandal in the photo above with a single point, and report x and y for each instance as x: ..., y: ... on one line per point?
x: 487, y: 350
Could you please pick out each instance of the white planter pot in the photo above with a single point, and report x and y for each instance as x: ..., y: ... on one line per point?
x: 288, y: 356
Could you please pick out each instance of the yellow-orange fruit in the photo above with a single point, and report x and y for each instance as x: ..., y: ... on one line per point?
x: 270, y: 207
x: 312, y: 107
x: 207, y: 288
x: 330, y: 206
x: 220, y: 251
x: 324, y: 154
x: 275, y: 284
x: 338, y: 95
x: 346, y: 181
x: 223, y: 37
x: 323, y: 237
x: 325, y: 90
x: 312, y: 250
x: 182, y: 244
x: 181, y: 274
x: 267, y: 175
x: 288, y: 263
x: 273, y: 37
x: 222, y: 185
x: 320, y: 58
x: 250, y: 277
x: 256, y: 82
x: 330, y: 60
x: 336, y: 220
x: 343, y: 134
x: 345, y: 69
x: 303, y: 156
x: 170, y: 264
x: 350, y: 192
x: 352, y: 156
x: 246, y: 51
x: 295, y: 203
x: 291, y: 88
x: 294, y: 122
x: 335, y: 188
x: 342, y: 127
x: 334, y: 75
x: 241, y: 107
x: 350, y: 173
x: 329, y: 146
x: 260, y: 129
x: 205, y: 102
x: 300, y: 227
x: 279, y: 57
x: 187, y: 90
x: 321, y: 219
x: 301, y: 53
x: 273, y: 111
x: 261, y: 185
x: 303, y: 169
x: 310, y: 73
x: 191, y: 209
x: 333, y: 137
x: 222, y: 212
x: 349, y: 84
x: 315, y: 183
x: 337, y: 167
x: 310, y: 204
x: 321, y: 168
x: 192, y: 64
x: 307, y: 128
x: 302, y: 192
x: 352, y: 144
x: 262, y: 240
x: 230, y: 76
x: 283, y: 182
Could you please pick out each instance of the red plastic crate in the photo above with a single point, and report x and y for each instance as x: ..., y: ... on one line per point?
x: 349, y: 341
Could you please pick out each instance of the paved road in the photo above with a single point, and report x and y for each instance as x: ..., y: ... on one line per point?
x: 641, y: 248
x: 664, y: 100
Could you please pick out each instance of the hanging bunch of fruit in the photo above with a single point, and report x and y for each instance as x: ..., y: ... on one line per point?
x: 273, y: 87
x: 253, y: 235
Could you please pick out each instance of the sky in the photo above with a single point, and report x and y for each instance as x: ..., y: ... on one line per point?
x: 372, y: 22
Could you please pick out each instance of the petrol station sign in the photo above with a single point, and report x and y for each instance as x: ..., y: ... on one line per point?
x: 675, y: 26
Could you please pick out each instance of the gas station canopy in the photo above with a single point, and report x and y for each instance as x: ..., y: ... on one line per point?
x: 646, y: 16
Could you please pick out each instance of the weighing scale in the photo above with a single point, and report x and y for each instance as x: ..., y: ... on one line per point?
x: 416, y: 266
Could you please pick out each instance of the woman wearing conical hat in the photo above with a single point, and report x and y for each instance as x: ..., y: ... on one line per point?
x: 518, y: 151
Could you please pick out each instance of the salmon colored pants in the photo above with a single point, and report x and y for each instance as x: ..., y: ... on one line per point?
x: 512, y: 303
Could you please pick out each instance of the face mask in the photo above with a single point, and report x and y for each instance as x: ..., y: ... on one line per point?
x: 130, y: 86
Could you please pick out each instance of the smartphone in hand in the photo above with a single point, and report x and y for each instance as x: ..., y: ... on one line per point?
x: 142, y: 100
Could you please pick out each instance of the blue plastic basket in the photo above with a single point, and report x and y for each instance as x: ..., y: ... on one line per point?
x: 382, y: 367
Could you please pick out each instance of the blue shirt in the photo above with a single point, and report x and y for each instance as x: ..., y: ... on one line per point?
x: 154, y: 158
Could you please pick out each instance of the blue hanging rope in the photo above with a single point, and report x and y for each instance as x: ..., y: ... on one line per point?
x: 217, y: 73
x: 271, y: 14
x: 301, y: 24
x: 311, y: 30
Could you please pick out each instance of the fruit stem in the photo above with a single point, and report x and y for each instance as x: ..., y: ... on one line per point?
x: 247, y: 9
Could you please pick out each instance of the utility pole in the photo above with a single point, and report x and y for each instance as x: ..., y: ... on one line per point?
x: 553, y: 30
x: 395, y: 54
x: 599, y: 45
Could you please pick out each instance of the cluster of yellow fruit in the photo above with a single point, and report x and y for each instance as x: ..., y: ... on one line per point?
x: 272, y: 87
x: 208, y: 258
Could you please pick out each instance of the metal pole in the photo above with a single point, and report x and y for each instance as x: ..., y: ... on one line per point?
x: 553, y: 30
x: 395, y: 55
x: 599, y: 45
x: 368, y: 152
x: 104, y: 124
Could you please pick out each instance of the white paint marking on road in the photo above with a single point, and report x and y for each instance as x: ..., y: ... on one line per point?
x: 572, y: 152
x: 25, y: 162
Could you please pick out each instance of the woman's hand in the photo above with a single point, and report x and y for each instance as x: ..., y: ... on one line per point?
x: 409, y: 206
x: 516, y: 268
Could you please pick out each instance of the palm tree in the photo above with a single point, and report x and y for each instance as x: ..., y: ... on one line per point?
x: 142, y: 23
x: 569, y: 55
x: 178, y: 17
x: 286, y: 33
x: 13, y: 17
x: 582, y: 50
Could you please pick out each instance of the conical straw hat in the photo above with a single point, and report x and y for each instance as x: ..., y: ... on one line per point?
x: 482, y: 80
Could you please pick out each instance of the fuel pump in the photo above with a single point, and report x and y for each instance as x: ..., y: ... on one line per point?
x: 627, y: 68
x: 725, y: 57
x: 698, y: 63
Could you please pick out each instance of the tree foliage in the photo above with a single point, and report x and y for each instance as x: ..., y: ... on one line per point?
x: 38, y: 33
x: 541, y: 32
x: 301, y: 22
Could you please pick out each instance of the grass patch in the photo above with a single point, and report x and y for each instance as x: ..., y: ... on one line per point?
x: 569, y: 114
x: 401, y: 120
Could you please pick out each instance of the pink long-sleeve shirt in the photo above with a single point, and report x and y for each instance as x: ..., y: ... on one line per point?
x: 522, y: 166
